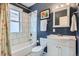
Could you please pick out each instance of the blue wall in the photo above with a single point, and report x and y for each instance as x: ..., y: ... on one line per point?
x: 42, y: 6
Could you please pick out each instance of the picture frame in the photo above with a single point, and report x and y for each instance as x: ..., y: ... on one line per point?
x: 61, y: 17
x: 45, y: 14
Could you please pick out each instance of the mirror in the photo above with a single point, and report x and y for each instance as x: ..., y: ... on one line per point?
x: 61, y: 17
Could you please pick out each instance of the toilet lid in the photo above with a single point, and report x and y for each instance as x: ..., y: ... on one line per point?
x: 37, y: 48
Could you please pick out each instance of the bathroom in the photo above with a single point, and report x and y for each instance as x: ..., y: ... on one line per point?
x: 39, y: 30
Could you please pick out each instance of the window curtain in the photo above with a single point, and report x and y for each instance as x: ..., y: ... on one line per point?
x: 4, y: 41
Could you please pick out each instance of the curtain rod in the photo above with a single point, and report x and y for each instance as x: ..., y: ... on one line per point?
x: 22, y: 6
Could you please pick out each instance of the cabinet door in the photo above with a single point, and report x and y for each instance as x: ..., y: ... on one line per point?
x: 68, y: 51
x: 68, y: 48
x: 52, y: 50
x: 59, y: 50
x: 65, y: 51
x: 72, y: 51
x: 52, y: 47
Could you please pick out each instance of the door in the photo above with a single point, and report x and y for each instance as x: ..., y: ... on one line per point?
x: 33, y: 26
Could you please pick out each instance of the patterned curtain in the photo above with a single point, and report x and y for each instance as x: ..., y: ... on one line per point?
x: 4, y: 41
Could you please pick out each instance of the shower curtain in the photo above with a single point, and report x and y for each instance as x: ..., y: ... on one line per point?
x: 4, y: 41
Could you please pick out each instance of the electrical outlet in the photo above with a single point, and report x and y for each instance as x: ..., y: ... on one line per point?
x: 53, y: 30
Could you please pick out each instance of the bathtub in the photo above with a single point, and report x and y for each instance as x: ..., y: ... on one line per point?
x: 22, y: 49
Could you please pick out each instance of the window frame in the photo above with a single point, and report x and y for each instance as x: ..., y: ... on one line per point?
x: 15, y: 8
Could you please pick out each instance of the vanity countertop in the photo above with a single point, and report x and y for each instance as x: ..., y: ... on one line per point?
x: 61, y: 37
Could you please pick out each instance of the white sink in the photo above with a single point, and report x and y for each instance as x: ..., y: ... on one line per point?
x: 61, y: 37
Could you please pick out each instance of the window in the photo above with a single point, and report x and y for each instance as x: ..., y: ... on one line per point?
x: 15, y: 21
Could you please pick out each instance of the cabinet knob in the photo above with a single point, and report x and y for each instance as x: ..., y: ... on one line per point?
x: 30, y: 34
x: 59, y: 47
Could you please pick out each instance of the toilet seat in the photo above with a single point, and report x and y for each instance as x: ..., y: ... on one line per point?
x: 37, y: 49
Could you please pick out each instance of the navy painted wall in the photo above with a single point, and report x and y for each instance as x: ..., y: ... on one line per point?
x: 42, y: 6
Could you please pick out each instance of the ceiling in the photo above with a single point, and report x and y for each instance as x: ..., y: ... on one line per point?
x: 28, y: 4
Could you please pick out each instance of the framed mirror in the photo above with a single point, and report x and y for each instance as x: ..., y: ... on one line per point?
x: 61, y: 17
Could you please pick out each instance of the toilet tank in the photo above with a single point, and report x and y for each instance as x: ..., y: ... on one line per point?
x: 43, y: 42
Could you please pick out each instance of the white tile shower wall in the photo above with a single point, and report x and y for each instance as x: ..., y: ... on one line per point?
x: 23, y: 49
x: 22, y: 37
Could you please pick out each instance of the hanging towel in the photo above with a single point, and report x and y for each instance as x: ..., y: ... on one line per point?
x: 73, y: 24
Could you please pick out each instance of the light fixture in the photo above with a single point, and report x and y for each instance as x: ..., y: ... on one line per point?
x: 61, y: 5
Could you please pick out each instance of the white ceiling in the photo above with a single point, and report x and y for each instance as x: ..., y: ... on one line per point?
x: 28, y: 4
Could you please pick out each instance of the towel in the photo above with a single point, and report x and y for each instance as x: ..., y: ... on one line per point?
x: 73, y: 24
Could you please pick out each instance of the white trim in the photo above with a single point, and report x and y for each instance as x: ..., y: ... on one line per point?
x: 21, y: 15
x: 34, y: 34
x: 60, y: 9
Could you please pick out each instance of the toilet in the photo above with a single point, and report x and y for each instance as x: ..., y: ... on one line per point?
x: 39, y: 50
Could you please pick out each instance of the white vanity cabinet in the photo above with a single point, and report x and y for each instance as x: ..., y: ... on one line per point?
x: 68, y: 47
x: 61, y: 46
x: 52, y: 47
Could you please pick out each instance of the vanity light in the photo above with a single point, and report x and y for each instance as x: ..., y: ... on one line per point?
x: 61, y: 5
